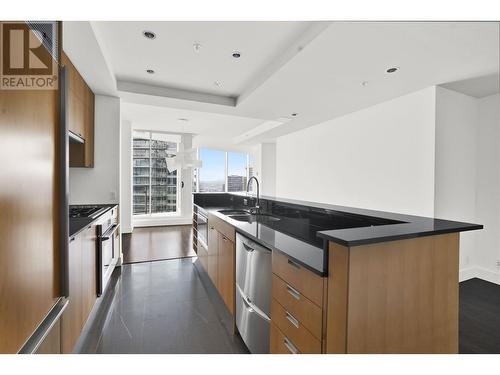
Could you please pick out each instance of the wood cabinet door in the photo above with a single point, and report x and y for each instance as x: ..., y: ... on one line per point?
x: 226, y: 271
x: 213, y: 253
x: 88, y: 269
x: 72, y: 317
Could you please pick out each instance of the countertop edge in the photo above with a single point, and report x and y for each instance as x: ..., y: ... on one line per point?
x: 395, y: 237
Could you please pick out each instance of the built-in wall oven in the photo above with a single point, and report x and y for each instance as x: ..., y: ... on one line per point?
x: 202, y: 226
x: 107, y: 247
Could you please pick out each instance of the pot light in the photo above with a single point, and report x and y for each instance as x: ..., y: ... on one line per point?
x: 236, y: 55
x: 196, y: 47
x: 183, y: 119
x: 218, y: 83
x: 150, y: 71
x: 392, y: 70
x: 294, y: 114
x: 364, y: 83
x: 149, y: 34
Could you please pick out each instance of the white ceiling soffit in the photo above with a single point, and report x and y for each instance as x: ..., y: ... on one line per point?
x: 174, y: 120
x: 477, y: 87
x: 207, y: 74
x: 88, y: 54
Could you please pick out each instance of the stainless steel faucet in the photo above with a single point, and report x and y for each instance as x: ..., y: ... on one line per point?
x: 256, y: 207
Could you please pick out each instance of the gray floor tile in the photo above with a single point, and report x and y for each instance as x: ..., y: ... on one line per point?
x: 161, y: 307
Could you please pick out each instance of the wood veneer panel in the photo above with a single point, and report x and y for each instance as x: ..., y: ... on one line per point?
x: 226, y: 272
x: 29, y: 268
x: 336, y: 314
x: 403, y: 296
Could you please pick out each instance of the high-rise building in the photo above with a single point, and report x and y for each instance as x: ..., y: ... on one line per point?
x: 154, y: 187
x: 236, y: 183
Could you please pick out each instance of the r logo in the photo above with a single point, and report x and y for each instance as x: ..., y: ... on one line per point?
x: 29, y: 54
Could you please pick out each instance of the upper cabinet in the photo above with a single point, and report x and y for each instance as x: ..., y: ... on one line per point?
x: 80, y: 107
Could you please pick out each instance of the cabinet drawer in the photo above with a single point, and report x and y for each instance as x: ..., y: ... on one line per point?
x: 280, y: 344
x: 298, y: 305
x: 294, y: 330
x: 306, y: 282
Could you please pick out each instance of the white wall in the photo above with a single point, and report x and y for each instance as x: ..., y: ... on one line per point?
x: 100, y: 184
x: 455, y: 168
x: 381, y: 157
x: 126, y: 177
x: 488, y: 189
x: 263, y: 161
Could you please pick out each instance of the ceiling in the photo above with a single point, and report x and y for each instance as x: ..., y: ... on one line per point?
x: 209, y: 128
x: 478, y: 87
x: 178, y: 65
x: 315, y: 69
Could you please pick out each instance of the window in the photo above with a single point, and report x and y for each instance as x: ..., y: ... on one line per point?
x: 155, y: 189
x: 221, y: 171
x: 237, y: 165
x: 212, y: 174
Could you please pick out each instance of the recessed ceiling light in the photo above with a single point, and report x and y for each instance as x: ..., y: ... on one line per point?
x: 364, y: 83
x: 149, y: 34
x: 183, y: 119
x: 236, y: 55
x: 150, y: 71
x: 196, y: 47
x: 218, y: 83
x: 294, y: 114
x: 392, y: 70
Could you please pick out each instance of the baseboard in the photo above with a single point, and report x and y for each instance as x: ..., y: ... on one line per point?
x: 480, y: 273
x: 467, y: 273
x: 126, y: 229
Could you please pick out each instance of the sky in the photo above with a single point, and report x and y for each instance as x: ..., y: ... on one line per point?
x: 213, y: 164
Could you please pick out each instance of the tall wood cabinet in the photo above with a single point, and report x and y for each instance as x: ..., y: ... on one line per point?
x: 80, y: 109
x: 29, y: 206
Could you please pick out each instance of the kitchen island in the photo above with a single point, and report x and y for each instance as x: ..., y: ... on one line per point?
x: 366, y: 281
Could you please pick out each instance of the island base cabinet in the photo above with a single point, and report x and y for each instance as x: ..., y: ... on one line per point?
x: 226, y: 272
x: 394, y: 297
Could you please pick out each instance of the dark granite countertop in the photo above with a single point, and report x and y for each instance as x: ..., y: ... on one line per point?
x: 306, y: 254
x: 78, y: 224
x: 305, y: 228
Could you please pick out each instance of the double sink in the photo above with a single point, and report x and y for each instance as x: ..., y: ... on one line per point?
x: 247, y: 216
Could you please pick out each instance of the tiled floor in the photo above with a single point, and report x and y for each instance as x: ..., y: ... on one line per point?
x: 158, y: 243
x: 159, y: 307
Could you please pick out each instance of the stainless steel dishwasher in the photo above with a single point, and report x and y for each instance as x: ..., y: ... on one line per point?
x: 253, y: 293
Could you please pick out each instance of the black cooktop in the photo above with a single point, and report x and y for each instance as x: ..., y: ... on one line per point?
x: 85, y: 211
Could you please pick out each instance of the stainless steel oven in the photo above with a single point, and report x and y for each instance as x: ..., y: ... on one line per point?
x: 108, y: 248
x: 202, y: 226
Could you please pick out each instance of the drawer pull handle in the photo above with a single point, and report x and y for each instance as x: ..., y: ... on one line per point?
x: 248, y: 248
x: 293, y: 292
x: 290, y: 346
x: 293, y: 264
x: 292, y: 319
